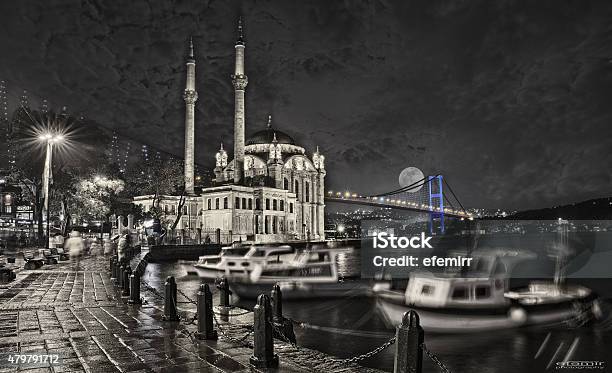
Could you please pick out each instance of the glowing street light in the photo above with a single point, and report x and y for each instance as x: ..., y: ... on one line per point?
x: 50, y: 139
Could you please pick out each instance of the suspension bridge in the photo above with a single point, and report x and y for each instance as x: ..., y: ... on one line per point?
x: 432, y: 195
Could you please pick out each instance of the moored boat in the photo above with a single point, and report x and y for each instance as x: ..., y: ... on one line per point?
x: 301, y: 273
x: 477, y: 301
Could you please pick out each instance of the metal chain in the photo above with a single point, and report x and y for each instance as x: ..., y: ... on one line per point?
x: 241, y: 341
x: 186, y: 297
x: 152, y: 289
x: 348, y: 361
x: 366, y: 355
x: 435, y: 359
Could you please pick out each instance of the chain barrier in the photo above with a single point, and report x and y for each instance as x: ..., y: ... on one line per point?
x: 152, y: 290
x: 435, y: 359
x: 241, y: 341
x: 189, y: 300
x: 349, y: 361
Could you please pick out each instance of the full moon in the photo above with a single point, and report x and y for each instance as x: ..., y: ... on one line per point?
x: 411, y: 175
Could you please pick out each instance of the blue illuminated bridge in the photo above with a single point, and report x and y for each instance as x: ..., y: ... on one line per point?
x: 432, y: 195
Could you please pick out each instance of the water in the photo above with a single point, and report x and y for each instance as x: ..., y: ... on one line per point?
x: 350, y: 326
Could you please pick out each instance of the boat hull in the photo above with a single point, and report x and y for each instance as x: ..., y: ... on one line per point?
x: 296, y: 290
x: 473, y: 321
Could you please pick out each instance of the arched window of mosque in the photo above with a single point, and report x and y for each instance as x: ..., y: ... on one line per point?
x: 208, y: 202
x: 286, y: 184
x: 250, y: 203
x: 225, y: 202
x: 274, y: 205
x: 237, y: 203
x: 307, y: 192
x: 282, y: 205
x: 267, y: 203
x: 217, y: 203
x: 244, y: 205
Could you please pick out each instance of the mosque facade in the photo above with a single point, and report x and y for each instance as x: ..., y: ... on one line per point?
x: 271, y: 191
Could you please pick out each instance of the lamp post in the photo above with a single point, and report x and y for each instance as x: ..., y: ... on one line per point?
x: 49, y: 139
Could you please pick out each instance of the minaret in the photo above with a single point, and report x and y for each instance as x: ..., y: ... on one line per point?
x: 191, y: 96
x: 240, y: 81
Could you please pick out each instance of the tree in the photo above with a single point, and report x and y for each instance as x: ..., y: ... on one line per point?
x: 95, y: 196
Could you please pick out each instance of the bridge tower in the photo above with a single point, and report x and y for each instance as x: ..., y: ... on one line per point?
x: 436, y: 200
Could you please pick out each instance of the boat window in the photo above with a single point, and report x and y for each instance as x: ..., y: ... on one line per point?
x: 427, y: 290
x: 460, y: 292
x: 483, y: 291
x: 231, y: 264
x: 244, y: 264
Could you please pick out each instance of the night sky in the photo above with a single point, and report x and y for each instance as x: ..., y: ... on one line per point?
x: 510, y: 100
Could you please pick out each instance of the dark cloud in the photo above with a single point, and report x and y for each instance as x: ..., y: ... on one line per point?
x: 509, y: 99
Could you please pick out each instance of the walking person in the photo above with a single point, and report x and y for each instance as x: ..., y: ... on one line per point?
x: 75, y: 247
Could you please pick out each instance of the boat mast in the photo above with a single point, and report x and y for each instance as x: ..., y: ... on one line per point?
x: 562, y: 249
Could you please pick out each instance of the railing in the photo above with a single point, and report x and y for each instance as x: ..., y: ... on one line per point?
x: 269, y: 323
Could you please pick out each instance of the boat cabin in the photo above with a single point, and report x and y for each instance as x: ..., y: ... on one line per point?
x: 455, y: 292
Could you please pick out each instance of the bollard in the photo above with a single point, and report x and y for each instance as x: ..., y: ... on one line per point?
x: 114, y: 269
x: 282, y: 325
x: 170, y: 313
x: 120, y: 276
x: 224, y: 292
x: 263, y: 344
x: 134, y: 289
x: 205, y: 314
x: 126, y: 280
x: 409, y: 345
x: 277, y: 304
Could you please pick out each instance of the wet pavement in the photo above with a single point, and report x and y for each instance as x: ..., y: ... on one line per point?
x: 77, y: 314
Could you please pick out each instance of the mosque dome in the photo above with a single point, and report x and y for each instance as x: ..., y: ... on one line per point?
x: 266, y: 136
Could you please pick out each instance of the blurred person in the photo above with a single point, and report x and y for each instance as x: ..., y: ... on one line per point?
x: 75, y: 247
x: 124, y: 244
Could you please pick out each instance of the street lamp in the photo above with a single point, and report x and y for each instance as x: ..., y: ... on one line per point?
x: 49, y: 139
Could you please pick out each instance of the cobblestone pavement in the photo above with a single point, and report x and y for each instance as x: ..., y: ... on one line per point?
x: 78, y: 314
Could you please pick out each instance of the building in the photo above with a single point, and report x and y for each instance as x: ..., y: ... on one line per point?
x: 272, y: 191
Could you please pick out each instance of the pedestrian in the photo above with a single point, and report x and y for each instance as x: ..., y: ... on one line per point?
x: 75, y: 247
x: 109, y: 246
x: 124, y: 244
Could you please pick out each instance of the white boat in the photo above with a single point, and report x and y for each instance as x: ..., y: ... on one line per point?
x: 301, y: 273
x: 481, y: 301
x: 239, y: 262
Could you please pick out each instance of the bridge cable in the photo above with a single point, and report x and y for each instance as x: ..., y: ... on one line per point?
x: 408, y: 187
x: 454, y: 195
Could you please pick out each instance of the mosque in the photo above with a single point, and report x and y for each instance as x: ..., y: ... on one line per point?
x: 272, y: 191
